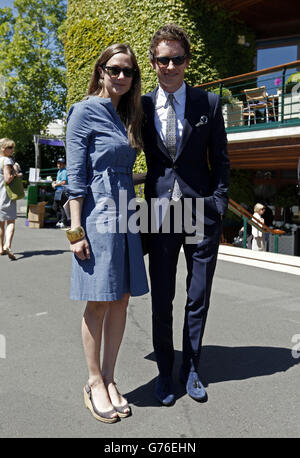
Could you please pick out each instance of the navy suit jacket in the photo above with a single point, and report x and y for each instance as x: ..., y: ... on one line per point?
x: 201, y: 165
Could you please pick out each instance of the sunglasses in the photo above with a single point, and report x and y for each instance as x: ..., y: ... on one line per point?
x: 115, y: 71
x: 9, y: 147
x: 165, y: 60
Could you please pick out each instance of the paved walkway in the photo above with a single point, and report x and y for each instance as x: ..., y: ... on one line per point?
x: 250, y: 360
x: 271, y: 261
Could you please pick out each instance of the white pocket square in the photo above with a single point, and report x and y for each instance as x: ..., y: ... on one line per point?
x: 203, y: 120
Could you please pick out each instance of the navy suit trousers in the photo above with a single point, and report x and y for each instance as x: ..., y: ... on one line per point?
x: 164, y: 249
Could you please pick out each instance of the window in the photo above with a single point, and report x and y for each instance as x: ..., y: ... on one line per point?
x: 271, y: 54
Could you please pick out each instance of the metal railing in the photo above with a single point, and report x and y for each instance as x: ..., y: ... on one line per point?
x: 282, y: 100
x: 248, y: 218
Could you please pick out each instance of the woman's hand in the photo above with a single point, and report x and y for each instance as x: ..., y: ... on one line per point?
x: 81, y: 249
x: 17, y: 171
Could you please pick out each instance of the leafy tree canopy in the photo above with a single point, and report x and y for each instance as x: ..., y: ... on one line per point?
x: 32, y: 71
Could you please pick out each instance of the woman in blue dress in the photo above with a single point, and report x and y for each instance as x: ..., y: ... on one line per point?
x: 103, y: 135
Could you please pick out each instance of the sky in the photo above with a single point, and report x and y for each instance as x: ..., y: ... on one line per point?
x: 275, y: 56
x: 6, y: 3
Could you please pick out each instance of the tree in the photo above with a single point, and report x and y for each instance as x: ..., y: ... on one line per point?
x: 32, y: 70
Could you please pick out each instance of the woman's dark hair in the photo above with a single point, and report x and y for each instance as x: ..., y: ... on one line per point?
x: 130, y: 106
x: 170, y: 32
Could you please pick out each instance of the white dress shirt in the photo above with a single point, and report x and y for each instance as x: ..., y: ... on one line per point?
x: 161, y: 109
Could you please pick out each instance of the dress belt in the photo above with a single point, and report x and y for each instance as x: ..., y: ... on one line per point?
x: 117, y: 169
x: 110, y: 171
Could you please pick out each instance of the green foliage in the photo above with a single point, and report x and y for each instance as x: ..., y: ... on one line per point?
x: 292, y: 80
x: 32, y: 71
x: 140, y: 164
x: 92, y: 26
x: 241, y: 190
x: 81, y: 50
x: 227, y: 96
x: 287, y: 196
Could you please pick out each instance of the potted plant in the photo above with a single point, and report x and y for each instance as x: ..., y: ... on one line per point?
x: 232, y: 108
x: 291, y: 97
x: 291, y: 82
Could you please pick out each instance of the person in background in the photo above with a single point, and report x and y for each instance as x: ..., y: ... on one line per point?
x: 60, y: 197
x: 8, y: 208
x: 258, y: 242
x: 239, y: 240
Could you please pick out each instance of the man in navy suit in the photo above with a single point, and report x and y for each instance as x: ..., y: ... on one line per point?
x: 186, y: 153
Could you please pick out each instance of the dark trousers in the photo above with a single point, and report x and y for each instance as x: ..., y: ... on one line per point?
x: 58, y: 208
x: 201, y: 260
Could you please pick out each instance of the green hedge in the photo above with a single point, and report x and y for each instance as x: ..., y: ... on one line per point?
x: 92, y: 26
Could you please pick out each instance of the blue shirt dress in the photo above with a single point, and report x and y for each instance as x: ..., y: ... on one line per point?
x: 99, y: 165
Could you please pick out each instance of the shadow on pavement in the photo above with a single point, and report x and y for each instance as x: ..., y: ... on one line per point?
x: 29, y: 254
x: 221, y: 364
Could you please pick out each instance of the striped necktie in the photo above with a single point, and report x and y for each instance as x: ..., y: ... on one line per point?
x: 171, y: 140
x: 171, y: 127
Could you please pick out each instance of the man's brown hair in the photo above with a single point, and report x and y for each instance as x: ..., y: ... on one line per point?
x: 170, y: 32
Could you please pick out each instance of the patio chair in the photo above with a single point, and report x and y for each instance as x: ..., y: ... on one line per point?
x: 257, y: 99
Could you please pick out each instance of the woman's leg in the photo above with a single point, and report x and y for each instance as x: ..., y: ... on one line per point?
x: 114, y: 325
x: 92, y: 324
x: 9, y: 233
x: 2, y: 231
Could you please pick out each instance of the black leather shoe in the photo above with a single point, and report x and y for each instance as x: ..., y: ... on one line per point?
x: 194, y: 387
x: 164, y: 390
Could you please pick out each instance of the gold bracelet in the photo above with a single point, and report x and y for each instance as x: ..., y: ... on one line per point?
x: 74, y: 235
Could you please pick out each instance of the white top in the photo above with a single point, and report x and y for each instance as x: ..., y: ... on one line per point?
x: 7, y: 206
x: 161, y: 109
x: 256, y: 232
